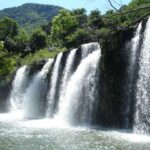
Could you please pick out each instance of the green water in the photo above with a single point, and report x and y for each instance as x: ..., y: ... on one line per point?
x: 42, y: 135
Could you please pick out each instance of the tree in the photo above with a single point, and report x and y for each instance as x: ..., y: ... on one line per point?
x: 7, y: 63
x: 127, y: 15
x: 1, y: 46
x: 10, y: 44
x: 47, y: 27
x: 8, y: 28
x: 17, y: 43
x: 95, y: 19
x: 38, y: 39
x: 110, y: 20
x: 81, y: 17
x: 63, y: 25
x: 22, y: 40
x: 77, y: 38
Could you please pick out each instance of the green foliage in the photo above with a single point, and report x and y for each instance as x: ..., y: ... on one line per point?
x: 81, y: 17
x: 62, y: 26
x: 15, y: 39
x: 18, y: 43
x: 9, y: 44
x: 95, y: 19
x: 110, y: 21
x: 103, y: 31
x: 68, y: 29
x: 137, y: 4
x: 21, y: 40
x: 31, y: 16
x: 1, y: 46
x: 77, y: 38
x: 47, y: 27
x: 41, y: 54
x: 114, y: 21
x: 38, y: 39
x: 8, y: 28
x: 7, y: 64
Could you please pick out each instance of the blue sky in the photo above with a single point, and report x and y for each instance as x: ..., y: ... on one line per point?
x: 89, y: 5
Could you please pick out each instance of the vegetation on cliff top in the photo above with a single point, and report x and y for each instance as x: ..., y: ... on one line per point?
x: 68, y: 29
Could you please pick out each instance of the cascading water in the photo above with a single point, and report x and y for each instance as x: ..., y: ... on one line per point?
x: 78, y: 105
x: 53, y: 84
x: 142, y: 115
x: 81, y: 90
x: 18, y: 88
x: 66, y: 76
x: 24, y: 98
x: 88, y: 48
x: 33, y: 98
x: 130, y: 73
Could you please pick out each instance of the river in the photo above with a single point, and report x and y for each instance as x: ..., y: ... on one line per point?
x: 46, y: 134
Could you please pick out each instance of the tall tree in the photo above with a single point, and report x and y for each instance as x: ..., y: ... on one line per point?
x: 81, y: 17
x: 38, y: 39
x: 63, y: 25
x: 22, y: 40
x: 8, y: 28
x: 95, y: 19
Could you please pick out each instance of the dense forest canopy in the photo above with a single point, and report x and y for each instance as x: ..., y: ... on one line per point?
x: 66, y: 30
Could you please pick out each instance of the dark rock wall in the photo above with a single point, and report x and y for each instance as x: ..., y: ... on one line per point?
x: 4, y: 95
x: 113, y: 75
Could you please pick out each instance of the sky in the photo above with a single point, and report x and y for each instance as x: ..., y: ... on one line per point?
x: 89, y: 5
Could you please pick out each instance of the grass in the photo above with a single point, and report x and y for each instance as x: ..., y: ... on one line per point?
x: 41, y: 54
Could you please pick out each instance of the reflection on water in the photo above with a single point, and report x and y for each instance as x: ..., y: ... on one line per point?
x: 51, y: 135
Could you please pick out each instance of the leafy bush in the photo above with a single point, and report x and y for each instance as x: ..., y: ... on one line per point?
x: 7, y: 64
x: 63, y: 25
x: 77, y: 38
x: 8, y: 28
x: 38, y: 39
x: 103, y: 31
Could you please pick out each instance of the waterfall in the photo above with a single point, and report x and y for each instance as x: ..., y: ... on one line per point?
x: 142, y: 114
x: 18, y: 88
x: 130, y: 73
x: 31, y: 99
x: 34, y: 96
x: 74, y: 88
x: 88, y: 48
x: 66, y: 76
x: 53, y: 84
x: 78, y: 105
x: 135, y: 45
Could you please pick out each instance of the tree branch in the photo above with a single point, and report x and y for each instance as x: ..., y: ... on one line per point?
x: 113, y: 6
x: 117, y: 3
x: 138, y: 20
x: 128, y: 12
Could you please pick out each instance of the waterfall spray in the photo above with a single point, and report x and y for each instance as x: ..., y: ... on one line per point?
x: 142, y: 117
x: 80, y: 92
x: 18, y: 88
x: 53, y: 83
x: 33, y: 98
x: 132, y: 54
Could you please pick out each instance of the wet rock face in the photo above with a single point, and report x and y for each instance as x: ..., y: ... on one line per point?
x: 113, y: 67
x: 4, y: 95
x: 37, y: 66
